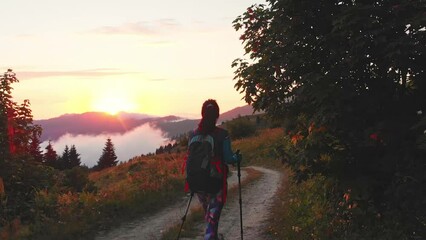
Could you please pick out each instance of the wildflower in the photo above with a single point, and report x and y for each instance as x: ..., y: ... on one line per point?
x: 296, y: 138
x: 374, y: 136
x: 311, y: 128
x: 346, y: 196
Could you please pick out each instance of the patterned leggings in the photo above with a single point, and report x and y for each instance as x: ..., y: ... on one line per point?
x: 212, y: 205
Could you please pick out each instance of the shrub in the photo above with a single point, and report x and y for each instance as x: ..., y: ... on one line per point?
x: 77, y: 179
x: 241, y: 127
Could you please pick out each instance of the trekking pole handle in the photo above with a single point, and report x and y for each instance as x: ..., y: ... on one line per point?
x: 238, y: 163
x: 238, y: 154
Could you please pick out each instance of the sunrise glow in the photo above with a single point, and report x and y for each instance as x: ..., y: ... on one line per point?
x: 153, y: 57
x: 114, y: 105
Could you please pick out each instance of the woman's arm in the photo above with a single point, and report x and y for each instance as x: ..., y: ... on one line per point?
x: 228, y: 156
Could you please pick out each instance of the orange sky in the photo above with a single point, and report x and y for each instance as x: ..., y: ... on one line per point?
x: 154, y: 57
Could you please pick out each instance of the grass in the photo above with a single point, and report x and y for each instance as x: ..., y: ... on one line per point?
x: 261, y: 149
x: 140, y: 186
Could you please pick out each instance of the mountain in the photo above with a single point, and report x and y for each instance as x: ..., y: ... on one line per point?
x: 236, y: 112
x: 95, y: 123
x: 176, y: 128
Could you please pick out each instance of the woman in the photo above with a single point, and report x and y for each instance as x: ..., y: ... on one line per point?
x: 213, y: 202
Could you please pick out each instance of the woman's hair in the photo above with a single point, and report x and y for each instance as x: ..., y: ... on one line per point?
x: 210, y: 114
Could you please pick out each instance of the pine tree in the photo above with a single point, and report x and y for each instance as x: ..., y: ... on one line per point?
x: 64, y: 160
x: 3, y: 133
x: 50, y: 157
x: 6, y: 109
x: 108, y: 157
x: 16, y: 121
x: 34, y: 147
x: 74, y: 157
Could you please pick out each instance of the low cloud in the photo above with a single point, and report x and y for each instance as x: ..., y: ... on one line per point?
x: 79, y: 73
x: 139, y: 28
x: 141, y: 140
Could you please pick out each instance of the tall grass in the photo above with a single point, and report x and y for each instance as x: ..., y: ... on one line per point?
x: 138, y: 187
x: 261, y: 149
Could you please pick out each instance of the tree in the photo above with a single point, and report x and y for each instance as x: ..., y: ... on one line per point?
x: 20, y: 176
x: 349, y: 76
x: 50, y: 157
x: 34, y: 147
x: 74, y: 157
x: 17, y: 130
x: 240, y: 127
x: 7, y: 106
x: 64, y: 159
x: 108, y: 157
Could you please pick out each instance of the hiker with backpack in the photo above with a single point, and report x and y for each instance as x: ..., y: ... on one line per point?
x: 209, y: 152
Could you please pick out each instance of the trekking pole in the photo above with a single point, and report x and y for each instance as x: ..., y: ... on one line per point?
x: 239, y: 188
x: 184, y: 216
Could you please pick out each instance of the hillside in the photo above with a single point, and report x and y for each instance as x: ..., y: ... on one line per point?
x: 95, y: 123
x: 234, y: 113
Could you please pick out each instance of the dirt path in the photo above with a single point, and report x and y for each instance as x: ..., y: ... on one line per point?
x: 257, y: 198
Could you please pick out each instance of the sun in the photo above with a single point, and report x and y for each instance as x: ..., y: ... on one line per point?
x: 113, y: 105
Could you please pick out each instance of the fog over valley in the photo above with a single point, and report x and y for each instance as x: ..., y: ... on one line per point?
x: 140, y: 140
x: 132, y: 134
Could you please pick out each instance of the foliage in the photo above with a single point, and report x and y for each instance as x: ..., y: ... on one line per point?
x: 241, y: 127
x: 348, y: 77
x: 21, y: 173
x: 34, y: 147
x: 50, y: 157
x: 120, y: 193
x: 306, y: 211
x: 70, y: 158
x: 21, y: 181
x: 74, y: 157
x: 17, y: 130
x: 77, y: 179
x: 167, y: 148
x: 64, y: 159
x: 7, y: 107
x: 261, y: 149
x: 108, y: 157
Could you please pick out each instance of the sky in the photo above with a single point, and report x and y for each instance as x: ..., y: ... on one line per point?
x: 154, y: 57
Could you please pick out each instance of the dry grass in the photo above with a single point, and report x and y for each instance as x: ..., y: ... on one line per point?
x: 261, y: 150
x: 279, y: 209
x: 124, y: 192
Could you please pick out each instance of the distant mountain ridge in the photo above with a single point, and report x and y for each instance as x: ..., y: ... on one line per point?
x: 176, y: 128
x: 236, y: 112
x: 95, y: 123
